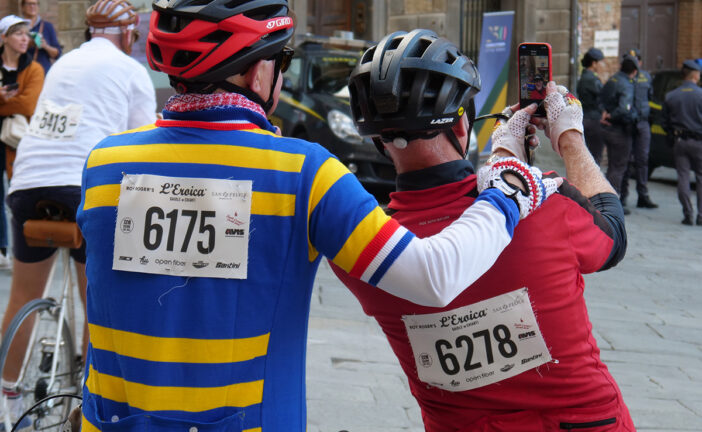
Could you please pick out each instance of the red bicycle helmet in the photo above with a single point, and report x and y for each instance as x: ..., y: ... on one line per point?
x: 201, y: 41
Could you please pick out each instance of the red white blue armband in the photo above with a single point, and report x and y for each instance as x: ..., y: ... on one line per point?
x: 537, y: 189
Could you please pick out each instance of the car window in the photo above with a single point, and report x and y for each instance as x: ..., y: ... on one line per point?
x: 329, y: 74
x: 293, y: 73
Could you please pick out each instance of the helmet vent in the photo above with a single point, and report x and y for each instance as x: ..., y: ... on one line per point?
x: 216, y: 37
x: 395, y: 43
x: 156, y: 52
x: 172, y: 23
x: 450, y: 58
x: 265, y: 12
x: 184, y: 58
x: 368, y: 56
x: 421, y: 48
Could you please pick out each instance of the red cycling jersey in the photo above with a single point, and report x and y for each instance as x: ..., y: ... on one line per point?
x: 549, y: 252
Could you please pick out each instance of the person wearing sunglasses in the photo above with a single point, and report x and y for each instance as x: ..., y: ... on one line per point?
x: 91, y: 92
x: 205, y: 233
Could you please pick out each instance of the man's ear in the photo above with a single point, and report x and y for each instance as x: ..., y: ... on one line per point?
x: 254, y: 77
x: 461, y: 127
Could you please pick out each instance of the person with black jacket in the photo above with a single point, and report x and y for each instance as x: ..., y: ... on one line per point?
x: 618, y: 119
x: 682, y: 118
x: 588, y: 89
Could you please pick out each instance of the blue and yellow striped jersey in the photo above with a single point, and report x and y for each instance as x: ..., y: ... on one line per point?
x: 168, y: 352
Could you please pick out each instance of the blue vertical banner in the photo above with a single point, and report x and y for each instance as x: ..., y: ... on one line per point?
x: 493, y: 65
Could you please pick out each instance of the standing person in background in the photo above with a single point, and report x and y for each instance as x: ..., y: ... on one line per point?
x: 641, y: 142
x: 44, y: 45
x: 16, y: 69
x: 589, y: 88
x: 682, y: 118
x: 98, y: 90
x: 618, y: 119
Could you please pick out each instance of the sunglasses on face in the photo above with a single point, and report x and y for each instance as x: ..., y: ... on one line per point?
x: 283, y: 59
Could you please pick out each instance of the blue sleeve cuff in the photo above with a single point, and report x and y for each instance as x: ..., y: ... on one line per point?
x: 504, y: 204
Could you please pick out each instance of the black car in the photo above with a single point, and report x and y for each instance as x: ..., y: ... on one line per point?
x: 314, y: 105
x: 661, y: 152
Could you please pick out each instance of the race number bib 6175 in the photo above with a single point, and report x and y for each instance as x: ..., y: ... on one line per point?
x: 478, y: 344
x: 183, y: 226
x: 55, y: 122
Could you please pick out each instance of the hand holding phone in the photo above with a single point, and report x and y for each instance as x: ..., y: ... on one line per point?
x: 534, y: 69
x: 11, y: 87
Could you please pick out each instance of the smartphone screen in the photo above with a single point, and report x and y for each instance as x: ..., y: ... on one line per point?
x: 11, y: 87
x: 534, y: 74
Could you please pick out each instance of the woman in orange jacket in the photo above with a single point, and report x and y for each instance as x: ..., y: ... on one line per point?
x: 21, y: 80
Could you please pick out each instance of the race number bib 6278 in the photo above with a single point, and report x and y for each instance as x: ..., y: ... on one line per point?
x: 51, y: 121
x: 478, y: 344
x: 183, y: 226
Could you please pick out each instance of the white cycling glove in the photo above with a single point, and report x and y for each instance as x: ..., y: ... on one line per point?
x: 538, y: 189
x: 564, y: 113
x: 509, y: 135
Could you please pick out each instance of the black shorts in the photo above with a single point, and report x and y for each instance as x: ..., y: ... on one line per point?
x: 22, y: 204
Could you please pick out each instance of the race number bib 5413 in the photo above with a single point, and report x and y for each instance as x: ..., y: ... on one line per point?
x: 477, y: 345
x: 183, y: 226
x: 51, y: 121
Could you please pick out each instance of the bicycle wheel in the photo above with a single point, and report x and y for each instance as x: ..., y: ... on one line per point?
x: 35, y: 375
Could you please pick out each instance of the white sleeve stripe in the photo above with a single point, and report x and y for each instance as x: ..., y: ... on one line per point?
x: 383, y: 253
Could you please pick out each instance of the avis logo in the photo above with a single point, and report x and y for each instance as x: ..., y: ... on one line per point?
x: 234, y: 232
x: 507, y: 367
x: 280, y: 22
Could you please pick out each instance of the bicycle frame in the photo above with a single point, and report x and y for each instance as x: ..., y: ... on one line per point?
x: 66, y: 300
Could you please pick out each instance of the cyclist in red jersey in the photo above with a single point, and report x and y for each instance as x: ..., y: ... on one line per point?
x: 514, y: 351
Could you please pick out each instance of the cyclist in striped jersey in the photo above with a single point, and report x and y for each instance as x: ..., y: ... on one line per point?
x: 198, y: 309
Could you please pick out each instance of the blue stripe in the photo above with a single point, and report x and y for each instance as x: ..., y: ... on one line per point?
x: 503, y: 203
x: 164, y: 419
x: 392, y: 256
x: 177, y: 374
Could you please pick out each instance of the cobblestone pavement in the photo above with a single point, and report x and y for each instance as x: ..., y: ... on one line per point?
x: 646, y: 315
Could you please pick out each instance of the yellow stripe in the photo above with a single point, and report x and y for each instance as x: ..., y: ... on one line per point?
x: 177, y: 350
x: 655, y: 105
x: 86, y: 426
x: 657, y: 129
x: 300, y: 106
x: 272, y: 204
x: 262, y: 203
x: 163, y: 398
x: 327, y: 175
x: 139, y: 129
x: 101, y: 196
x: 359, y: 238
x: 213, y: 154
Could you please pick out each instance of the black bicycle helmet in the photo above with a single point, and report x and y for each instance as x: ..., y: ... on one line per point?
x: 412, y: 85
x: 205, y: 42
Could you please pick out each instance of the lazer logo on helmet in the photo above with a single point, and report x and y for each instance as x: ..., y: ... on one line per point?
x: 442, y: 121
x: 280, y: 22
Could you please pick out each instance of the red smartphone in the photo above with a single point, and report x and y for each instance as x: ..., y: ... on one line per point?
x: 534, y: 73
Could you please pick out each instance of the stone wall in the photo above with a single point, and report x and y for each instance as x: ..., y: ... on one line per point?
x: 689, y: 30
x: 553, y: 26
x: 599, y: 15
x: 411, y: 14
